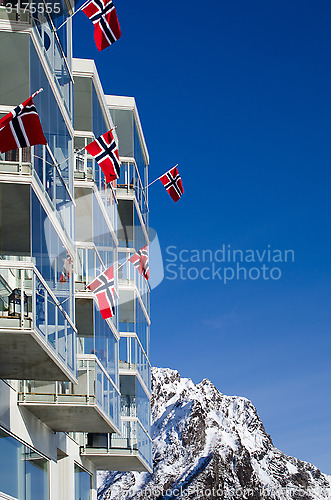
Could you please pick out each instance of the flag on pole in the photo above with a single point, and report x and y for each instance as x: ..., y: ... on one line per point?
x: 66, y: 270
x: 173, y: 183
x: 140, y: 261
x: 103, y: 15
x: 105, y: 152
x: 103, y: 288
x: 21, y: 127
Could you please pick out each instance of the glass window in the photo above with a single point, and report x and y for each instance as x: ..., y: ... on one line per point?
x: 83, y: 104
x: 11, y: 466
x: 138, y: 155
x: 84, y: 317
x: 36, y: 476
x: 105, y: 345
x: 126, y: 221
x: 49, y: 255
x: 84, y: 203
x: 143, y: 407
x: 54, y: 128
x: 14, y: 78
x: 124, y: 350
x: 14, y: 219
x: 23, y: 472
x: 83, y: 484
x: 99, y: 125
x: 123, y: 119
x: 54, y: 53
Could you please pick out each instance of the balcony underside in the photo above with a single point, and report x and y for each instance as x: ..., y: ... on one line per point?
x: 24, y: 356
x: 70, y: 417
x: 116, y: 459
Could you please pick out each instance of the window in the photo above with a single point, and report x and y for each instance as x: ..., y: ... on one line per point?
x: 14, y: 78
x: 23, y: 471
x: 83, y: 485
x: 83, y: 104
x: 14, y: 219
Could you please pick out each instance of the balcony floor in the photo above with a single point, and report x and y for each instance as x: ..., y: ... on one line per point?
x: 24, y: 357
x: 116, y: 459
x: 69, y: 417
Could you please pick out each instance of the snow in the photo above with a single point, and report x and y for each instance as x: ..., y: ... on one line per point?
x: 198, y: 431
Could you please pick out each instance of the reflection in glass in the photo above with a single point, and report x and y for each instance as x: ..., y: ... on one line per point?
x: 82, y: 484
x: 23, y: 472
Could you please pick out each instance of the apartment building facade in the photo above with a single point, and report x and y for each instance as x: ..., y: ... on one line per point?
x: 74, y: 388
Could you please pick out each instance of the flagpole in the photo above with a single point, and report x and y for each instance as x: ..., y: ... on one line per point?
x: 37, y: 92
x: 72, y: 15
x: 153, y: 182
x: 82, y: 149
x: 86, y: 286
x: 160, y: 176
x: 40, y: 158
x: 72, y: 156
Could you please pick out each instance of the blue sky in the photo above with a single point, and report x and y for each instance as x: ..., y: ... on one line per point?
x: 238, y: 93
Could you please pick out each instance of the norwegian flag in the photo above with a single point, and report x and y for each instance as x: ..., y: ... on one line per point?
x: 104, y: 289
x: 105, y: 152
x: 140, y: 261
x: 106, y: 28
x: 173, y: 183
x: 66, y: 270
x: 21, y: 127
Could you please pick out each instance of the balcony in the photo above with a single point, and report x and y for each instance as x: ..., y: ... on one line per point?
x: 88, y: 265
x: 87, y: 171
x: 129, y: 451
x: 17, y: 161
x: 130, y: 186
x: 141, y: 367
x: 37, y: 338
x: 130, y: 279
x: 93, y: 405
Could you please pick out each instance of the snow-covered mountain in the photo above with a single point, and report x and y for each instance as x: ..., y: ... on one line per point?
x: 209, y: 446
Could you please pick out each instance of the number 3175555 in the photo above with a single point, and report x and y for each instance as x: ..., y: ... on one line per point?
x: 36, y: 7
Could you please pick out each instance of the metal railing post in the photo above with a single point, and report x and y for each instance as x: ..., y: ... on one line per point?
x: 88, y: 380
x: 21, y: 272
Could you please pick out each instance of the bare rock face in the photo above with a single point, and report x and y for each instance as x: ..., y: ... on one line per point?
x: 207, y: 446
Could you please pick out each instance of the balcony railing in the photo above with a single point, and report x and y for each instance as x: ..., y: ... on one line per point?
x: 44, y: 30
x: 128, y: 406
x: 86, y: 168
x: 130, y: 450
x: 130, y: 183
x: 23, y: 162
x: 129, y: 276
x: 142, y: 367
x: 37, y: 337
x: 92, y: 405
x: 17, y: 161
x: 88, y: 265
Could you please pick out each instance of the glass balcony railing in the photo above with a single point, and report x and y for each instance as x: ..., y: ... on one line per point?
x: 55, y: 57
x: 17, y: 161
x: 77, y: 407
x: 86, y: 168
x: 130, y: 183
x: 142, y: 366
x: 129, y: 450
x: 88, y: 265
x: 23, y: 162
x: 28, y: 305
x: 128, y: 406
x: 128, y: 275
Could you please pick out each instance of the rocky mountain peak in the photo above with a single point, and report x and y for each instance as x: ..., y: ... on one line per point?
x: 209, y: 445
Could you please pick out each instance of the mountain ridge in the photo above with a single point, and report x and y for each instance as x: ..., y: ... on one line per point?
x: 209, y: 445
